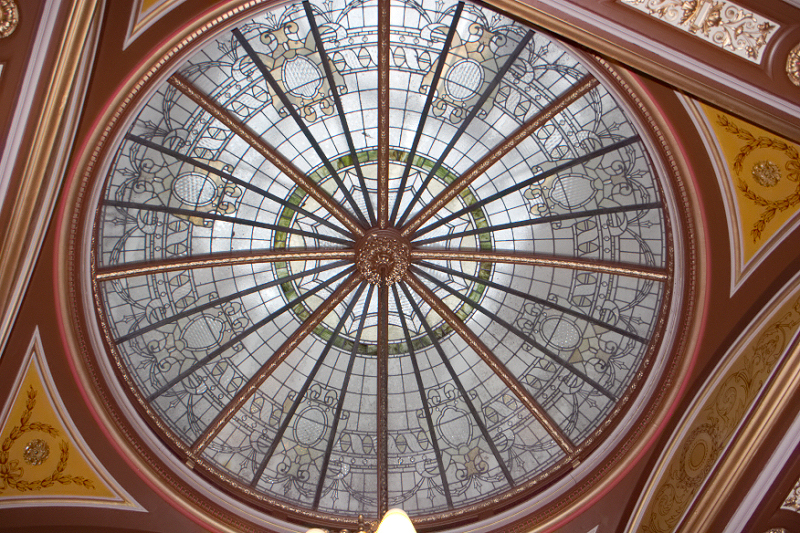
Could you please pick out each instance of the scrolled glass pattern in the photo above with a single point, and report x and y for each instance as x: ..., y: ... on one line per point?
x: 523, y: 265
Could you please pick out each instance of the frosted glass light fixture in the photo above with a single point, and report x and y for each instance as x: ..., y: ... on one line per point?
x: 396, y: 521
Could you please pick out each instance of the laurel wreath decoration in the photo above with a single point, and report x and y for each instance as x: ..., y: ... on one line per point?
x: 11, y: 473
x: 771, y: 207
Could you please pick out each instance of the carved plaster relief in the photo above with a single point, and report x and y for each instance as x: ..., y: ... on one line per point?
x: 712, y: 422
x: 9, y: 17
x: 721, y: 23
x: 792, y: 501
x: 793, y: 65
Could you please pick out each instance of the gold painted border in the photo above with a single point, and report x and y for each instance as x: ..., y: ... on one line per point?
x: 40, y: 178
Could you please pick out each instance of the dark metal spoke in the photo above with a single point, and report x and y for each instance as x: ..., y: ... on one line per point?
x: 527, y: 183
x: 536, y: 299
x: 233, y: 179
x: 340, y: 404
x: 339, y: 108
x: 275, y: 360
x: 541, y: 118
x: 493, y: 362
x: 425, y: 407
x: 464, y: 394
x: 233, y: 220
x: 216, y: 259
x: 313, y: 189
x: 551, y: 261
x: 384, y: 13
x: 527, y: 338
x: 427, y: 107
x: 296, y: 116
x: 309, y: 380
x: 219, y: 301
x: 472, y: 114
x: 542, y: 220
x: 245, y: 333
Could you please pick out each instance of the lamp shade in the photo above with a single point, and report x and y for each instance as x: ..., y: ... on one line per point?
x: 395, y: 521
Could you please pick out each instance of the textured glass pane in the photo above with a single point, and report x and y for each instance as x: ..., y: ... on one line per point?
x: 239, y: 348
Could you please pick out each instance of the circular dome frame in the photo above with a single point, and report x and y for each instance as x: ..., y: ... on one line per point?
x: 123, y: 111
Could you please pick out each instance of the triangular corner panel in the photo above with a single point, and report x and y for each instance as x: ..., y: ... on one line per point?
x: 43, y: 458
x: 762, y: 187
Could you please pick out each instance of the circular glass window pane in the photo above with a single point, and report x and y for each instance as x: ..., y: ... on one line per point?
x: 329, y: 265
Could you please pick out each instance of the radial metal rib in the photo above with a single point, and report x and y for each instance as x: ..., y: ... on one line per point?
x: 527, y: 183
x: 339, y: 108
x: 283, y: 164
x: 222, y: 218
x: 460, y: 386
x: 527, y: 258
x: 472, y: 114
x: 423, y: 400
x: 287, y: 105
x: 289, y: 416
x: 536, y: 299
x: 382, y: 447
x: 214, y: 303
x: 340, y: 404
x: 384, y: 9
x: 527, y: 338
x: 541, y: 220
x: 275, y: 361
x: 221, y: 259
x: 233, y: 179
x: 492, y: 361
x: 523, y: 132
x: 427, y: 107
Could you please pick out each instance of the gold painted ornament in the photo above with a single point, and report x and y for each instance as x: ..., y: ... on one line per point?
x: 36, y: 452
x: 793, y: 65
x: 9, y: 17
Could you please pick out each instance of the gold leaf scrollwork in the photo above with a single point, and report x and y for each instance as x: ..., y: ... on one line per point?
x: 792, y: 501
x: 793, y: 65
x: 722, y: 23
x: 770, y: 208
x: 12, y: 474
x: 716, y: 424
x: 9, y: 17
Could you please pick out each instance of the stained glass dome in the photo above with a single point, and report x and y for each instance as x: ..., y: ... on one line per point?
x: 369, y: 254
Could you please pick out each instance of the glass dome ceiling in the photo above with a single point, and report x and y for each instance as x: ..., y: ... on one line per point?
x: 370, y: 254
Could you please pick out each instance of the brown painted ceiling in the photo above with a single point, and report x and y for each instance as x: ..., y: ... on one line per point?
x: 36, y: 269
